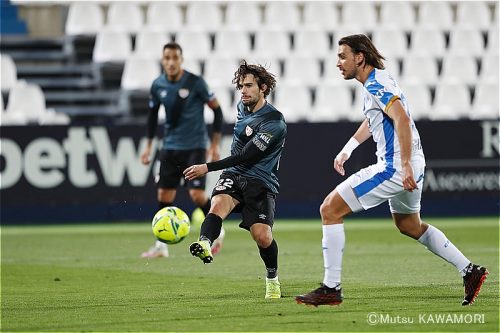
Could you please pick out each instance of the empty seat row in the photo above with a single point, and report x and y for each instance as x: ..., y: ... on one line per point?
x: 89, y: 17
x: 118, y: 46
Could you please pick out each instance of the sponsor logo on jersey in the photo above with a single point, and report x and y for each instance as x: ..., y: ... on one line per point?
x: 183, y: 93
x: 163, y: 93
x: 248, y: 131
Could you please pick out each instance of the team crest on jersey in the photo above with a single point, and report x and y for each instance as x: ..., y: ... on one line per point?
x: 163, y: 93
x: 183, y: 93
x: 248, y: 130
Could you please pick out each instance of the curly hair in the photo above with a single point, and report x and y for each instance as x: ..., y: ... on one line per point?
x: 362, y: 44
x: 262, y: 76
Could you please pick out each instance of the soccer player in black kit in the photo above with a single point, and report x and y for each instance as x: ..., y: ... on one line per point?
x: 249, y: 183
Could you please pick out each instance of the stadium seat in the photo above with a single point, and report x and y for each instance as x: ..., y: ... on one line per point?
x: 358, y: 15
x: 203, y: 16
x: 357, y: 114
x: 428, y: 41
x: 192, y: 65
x: 459, y: 68
x: 467, y: 41
x: 84, y: 18
x: 332, y: 74
x: 493, y: 39
x: 435, y: 14
x: 272, y: 64
x: 139, y: 73
x: 489, y: 69
x: 302, y: 70
x: 112, y: 47
x: 393, y: 66
x: 253, y: 16
x: 149, y: 44
x: 390, y: 42
x: 485, y: 104
x: 164, y: 16
x: 232, y: 43
x: 219, y: 71
x: 421, y: 69
x: 320, y: 15
x: 418, y: 96
x: 272, y: 43
x: 474, y: 14
x: 311, y: 43
x: 124, y: 17
x: 333, y: 102
x: 294, y: 101
x: 224, y: 96
x: 27, y: 101
x: 397, y: 15
x: 452, y: 102
x: 281, y: 15
x: 195, y: 44
x: 9, y: 72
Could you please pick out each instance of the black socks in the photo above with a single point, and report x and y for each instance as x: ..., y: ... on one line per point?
x: 270, y: 257
x: 210, y: 228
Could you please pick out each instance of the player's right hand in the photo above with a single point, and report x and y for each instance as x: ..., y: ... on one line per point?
x: 338, y: 163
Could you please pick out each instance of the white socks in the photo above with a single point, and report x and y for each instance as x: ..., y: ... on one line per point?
x: 437, y: 243
x: 333, y: 248
x: 160, y: 245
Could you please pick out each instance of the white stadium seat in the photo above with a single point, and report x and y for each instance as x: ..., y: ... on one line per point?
x: 397, y: 15
x: 232, y: 43
x: 124, y: 17
x: 320, y: 15
x: 493, y: 40
x: 203, y: 16
x: 195, y: 44
x: 312, y: 43
x: 459, y: 68
x: 489, y: 68
x: 485, y: 105
x: 390, y: 42
x: 112, y: 47
x: 219, y: 71
x: 435, y: 14
x: 192, y: 65
x: 302, y: 70
x: 273, y: 43
x: 333, y: 102
x: 84, y: 18
x: 467, y: 41
x: 294, y: 101
x: 281, y: 15
x: 164, y: 16
x: 420, y: 69
x: 428, y: 41
x: 418, y: 96
x: 452, y: 102
x: 149, y: 44
x: 358, y: 15
x: 253, y: 16
x: 139, y: 73
x: 475, y: 14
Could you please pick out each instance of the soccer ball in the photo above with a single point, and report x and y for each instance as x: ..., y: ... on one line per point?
x: 170, y: 225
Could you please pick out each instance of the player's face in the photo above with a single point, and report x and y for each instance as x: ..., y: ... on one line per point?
x: 250, y: 91
x: 346, y: 62
x: 171, y: 62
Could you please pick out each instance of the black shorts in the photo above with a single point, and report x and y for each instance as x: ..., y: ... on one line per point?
x: 257, y: 203
x: 174, y: 162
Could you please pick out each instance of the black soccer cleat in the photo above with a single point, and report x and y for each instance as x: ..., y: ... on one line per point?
x: 473, y: 280
x: 321, y: 296
x: 201, y: 249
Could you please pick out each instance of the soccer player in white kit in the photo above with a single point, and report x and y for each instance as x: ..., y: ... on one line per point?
x: 397, y: 176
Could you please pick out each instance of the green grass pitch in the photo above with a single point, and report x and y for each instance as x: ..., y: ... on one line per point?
x: 84, y: 278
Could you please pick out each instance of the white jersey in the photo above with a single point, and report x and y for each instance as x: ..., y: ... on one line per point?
x: 379, y: 92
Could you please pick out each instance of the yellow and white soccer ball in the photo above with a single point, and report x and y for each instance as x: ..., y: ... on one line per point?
x: 171, y: 225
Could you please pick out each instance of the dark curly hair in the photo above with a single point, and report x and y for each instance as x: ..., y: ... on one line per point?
x: 262, y: 76
x: 362, y: 44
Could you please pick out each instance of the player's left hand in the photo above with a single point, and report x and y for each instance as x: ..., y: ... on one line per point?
x: 195, y: 171
x: 409, y: 183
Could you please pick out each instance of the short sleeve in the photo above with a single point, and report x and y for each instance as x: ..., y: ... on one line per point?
x: 384, y: 90
x: 154, y: 101
x: 204, y: 91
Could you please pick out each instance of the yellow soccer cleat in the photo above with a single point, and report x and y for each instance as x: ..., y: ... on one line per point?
x: 201, y: 249
x: 273, y: 288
